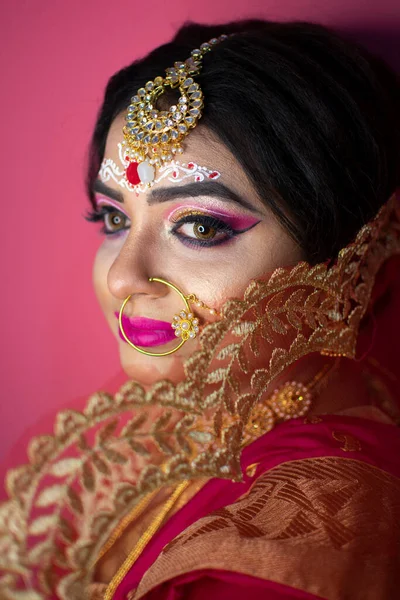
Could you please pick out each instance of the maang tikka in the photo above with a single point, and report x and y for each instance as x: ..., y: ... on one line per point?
x: 153, y: 137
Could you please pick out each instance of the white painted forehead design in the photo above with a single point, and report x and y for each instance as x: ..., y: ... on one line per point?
x: 175, y: 172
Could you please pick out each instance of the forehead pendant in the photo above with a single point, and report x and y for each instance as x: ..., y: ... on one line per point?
x: 152, y: 137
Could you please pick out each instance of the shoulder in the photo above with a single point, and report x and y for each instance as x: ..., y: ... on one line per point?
x: 314, y: 524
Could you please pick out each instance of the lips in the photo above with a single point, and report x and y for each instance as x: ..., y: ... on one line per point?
x: 146, y: 332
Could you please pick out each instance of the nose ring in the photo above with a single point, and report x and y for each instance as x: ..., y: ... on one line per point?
x: 185, y: 324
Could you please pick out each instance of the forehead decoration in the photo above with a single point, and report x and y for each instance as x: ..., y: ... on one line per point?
x: 153, y: 137
x: 174, y: 172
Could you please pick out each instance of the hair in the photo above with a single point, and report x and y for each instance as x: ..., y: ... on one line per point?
x: 312, y: 118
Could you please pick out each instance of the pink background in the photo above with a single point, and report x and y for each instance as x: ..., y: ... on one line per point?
x: 55, y: 61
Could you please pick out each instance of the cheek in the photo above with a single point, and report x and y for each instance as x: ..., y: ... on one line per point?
x: 102, y: 263
x: 260, y: 251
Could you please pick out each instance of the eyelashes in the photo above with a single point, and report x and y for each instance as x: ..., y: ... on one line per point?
x: 195, y: 228
x: 192, y: 229
x: 202, y: 230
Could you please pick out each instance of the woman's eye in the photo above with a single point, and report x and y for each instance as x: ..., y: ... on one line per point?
x: 114, y: 221
x: 198, y: 230
x: 204, y: 231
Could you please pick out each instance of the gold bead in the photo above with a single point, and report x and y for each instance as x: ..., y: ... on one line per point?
x: 291, y: 400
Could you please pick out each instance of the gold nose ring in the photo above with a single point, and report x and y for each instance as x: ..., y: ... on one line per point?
x: 185, y: 324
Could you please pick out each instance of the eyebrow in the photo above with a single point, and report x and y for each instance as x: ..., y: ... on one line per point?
x: 201, y: 188
x: 214, y: 189
x: 101, y: 188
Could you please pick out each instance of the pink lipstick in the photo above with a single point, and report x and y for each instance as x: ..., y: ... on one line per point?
x: 146, y: 332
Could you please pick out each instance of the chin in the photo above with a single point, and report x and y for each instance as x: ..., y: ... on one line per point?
x: 148, y: 369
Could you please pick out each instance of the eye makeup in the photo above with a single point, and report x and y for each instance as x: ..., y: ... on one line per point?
x: 207, y: 228
x: 103, y: 200
x: 108, y: 211
x: 235, y: 221
x: 193, y: 226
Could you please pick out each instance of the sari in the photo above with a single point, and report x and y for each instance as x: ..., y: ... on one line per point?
x: 316, y: 516
x: 305, y: 523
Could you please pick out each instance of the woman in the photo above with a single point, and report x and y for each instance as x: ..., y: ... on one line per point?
x: 248, y: 272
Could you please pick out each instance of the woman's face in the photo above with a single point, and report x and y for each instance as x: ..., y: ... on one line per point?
x: 208, y: 238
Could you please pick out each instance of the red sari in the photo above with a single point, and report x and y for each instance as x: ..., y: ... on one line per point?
x: 318, y: 517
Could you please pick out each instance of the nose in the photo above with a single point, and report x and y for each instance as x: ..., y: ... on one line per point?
x: 130, y: 272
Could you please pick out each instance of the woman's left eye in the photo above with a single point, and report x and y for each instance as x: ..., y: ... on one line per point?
x: 202, y: 230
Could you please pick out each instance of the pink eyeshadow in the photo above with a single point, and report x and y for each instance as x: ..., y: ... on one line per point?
x: 237, y: 222
x: 101, y: 200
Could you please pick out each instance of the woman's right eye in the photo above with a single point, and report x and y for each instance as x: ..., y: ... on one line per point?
x: 114, y: 221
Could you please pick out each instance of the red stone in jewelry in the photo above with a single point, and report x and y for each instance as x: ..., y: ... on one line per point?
x: 132, y: 174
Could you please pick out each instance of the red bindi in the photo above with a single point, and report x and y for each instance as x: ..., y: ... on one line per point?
x: 132, y: 173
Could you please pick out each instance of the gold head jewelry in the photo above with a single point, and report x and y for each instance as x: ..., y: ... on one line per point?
x: 100, y: 462
x: 185, y: 324
x: 152, y: 137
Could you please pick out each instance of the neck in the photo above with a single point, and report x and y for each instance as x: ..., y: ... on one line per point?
x: 342, y: 388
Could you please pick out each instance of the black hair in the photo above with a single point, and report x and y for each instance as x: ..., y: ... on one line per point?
x: 312, y: 118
